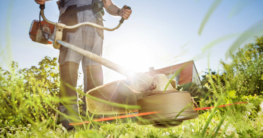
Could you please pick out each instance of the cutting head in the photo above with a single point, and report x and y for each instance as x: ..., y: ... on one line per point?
x: 172, y: 106
x: 124, y: 92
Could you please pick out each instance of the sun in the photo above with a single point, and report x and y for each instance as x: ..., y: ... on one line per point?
x: 133, y: 56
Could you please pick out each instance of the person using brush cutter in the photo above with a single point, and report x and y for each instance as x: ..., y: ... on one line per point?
x: 88, y: 38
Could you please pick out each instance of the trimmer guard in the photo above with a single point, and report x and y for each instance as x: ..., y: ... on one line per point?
x: 173, y: 107
x: 116, y: 92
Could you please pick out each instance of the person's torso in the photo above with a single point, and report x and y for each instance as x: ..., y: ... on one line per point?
x: 87, y: 15
x: 64, y: 4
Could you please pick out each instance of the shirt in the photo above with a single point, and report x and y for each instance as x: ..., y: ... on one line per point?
x: 74, y: 2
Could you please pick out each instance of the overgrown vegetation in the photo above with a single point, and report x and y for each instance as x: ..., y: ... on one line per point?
x: 247, y: 68
x: 29, y: 103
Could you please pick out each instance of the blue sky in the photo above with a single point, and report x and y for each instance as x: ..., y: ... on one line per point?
x: 158, y: 33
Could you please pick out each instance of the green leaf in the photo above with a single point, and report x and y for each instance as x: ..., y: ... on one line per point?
x: 232, y: 94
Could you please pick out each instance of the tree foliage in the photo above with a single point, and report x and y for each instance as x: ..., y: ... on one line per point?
x: 195, y: 90
x: 47, y: 72
x: 245, y: 73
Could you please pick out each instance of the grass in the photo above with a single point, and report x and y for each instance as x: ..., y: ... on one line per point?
x: 31, y: 111
x: 226, y: 127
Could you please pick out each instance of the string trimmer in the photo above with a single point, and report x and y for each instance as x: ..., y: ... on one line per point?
x: 152, y: 94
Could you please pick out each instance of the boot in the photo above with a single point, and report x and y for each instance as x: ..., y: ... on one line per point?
x: 69, y: 110
x: 68, y: 76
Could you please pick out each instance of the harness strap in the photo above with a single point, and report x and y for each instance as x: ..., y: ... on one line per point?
x: 76, y: 10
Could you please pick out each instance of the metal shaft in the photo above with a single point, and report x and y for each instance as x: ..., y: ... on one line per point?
x: 99, y: 60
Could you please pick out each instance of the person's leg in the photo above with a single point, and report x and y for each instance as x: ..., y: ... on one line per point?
x: 68, y: 82
x: 69, y: 63
x: 93, y: 76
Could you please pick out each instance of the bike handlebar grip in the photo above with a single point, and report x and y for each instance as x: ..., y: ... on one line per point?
x: 125, y: 7
x: 42, y: 6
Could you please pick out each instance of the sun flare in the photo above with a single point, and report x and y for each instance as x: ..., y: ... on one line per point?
x: 132, y: 56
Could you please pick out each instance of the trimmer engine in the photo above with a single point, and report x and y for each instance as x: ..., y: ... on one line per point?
x: 41, y: 31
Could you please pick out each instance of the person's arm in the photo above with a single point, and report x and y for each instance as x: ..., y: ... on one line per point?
x: 41, y: 2
x: 115, y: 10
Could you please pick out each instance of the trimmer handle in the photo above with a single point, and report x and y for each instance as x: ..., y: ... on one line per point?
x: 42, y: 6
x: 63, y: 26
x: 125, y: 7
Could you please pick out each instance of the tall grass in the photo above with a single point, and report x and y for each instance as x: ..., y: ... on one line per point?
x: 29, y: 109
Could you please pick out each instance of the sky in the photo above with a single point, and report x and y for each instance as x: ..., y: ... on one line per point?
x: 158, y: 34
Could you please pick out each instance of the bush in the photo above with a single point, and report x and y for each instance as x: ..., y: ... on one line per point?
x: 195, y: 90
x: 245, y: 73
x: 28, y: 96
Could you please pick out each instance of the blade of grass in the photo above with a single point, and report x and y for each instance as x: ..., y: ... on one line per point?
x: 251, y: 31
x: 219, y: 125
x: 215, y: 107
x: 8, y: 33
x: 239, y: 6
x: 175, y: 74
x: 182, y: 110
x: 106, y: 102
x: 219, y: 40
x: 208, y: 15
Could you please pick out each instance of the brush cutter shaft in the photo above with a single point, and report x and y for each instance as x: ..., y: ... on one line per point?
x: 99, y: 59
x: 141, y: 82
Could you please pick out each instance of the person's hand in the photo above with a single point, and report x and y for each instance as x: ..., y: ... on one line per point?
x: 41, y: 2
x: 125, y: 13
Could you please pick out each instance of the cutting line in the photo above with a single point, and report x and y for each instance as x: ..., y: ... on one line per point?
x: 147, y: 113
x: 112, y: 118
x: 205, y: 108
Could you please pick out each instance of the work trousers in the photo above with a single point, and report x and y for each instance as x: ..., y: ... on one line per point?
x: 86, y: 38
